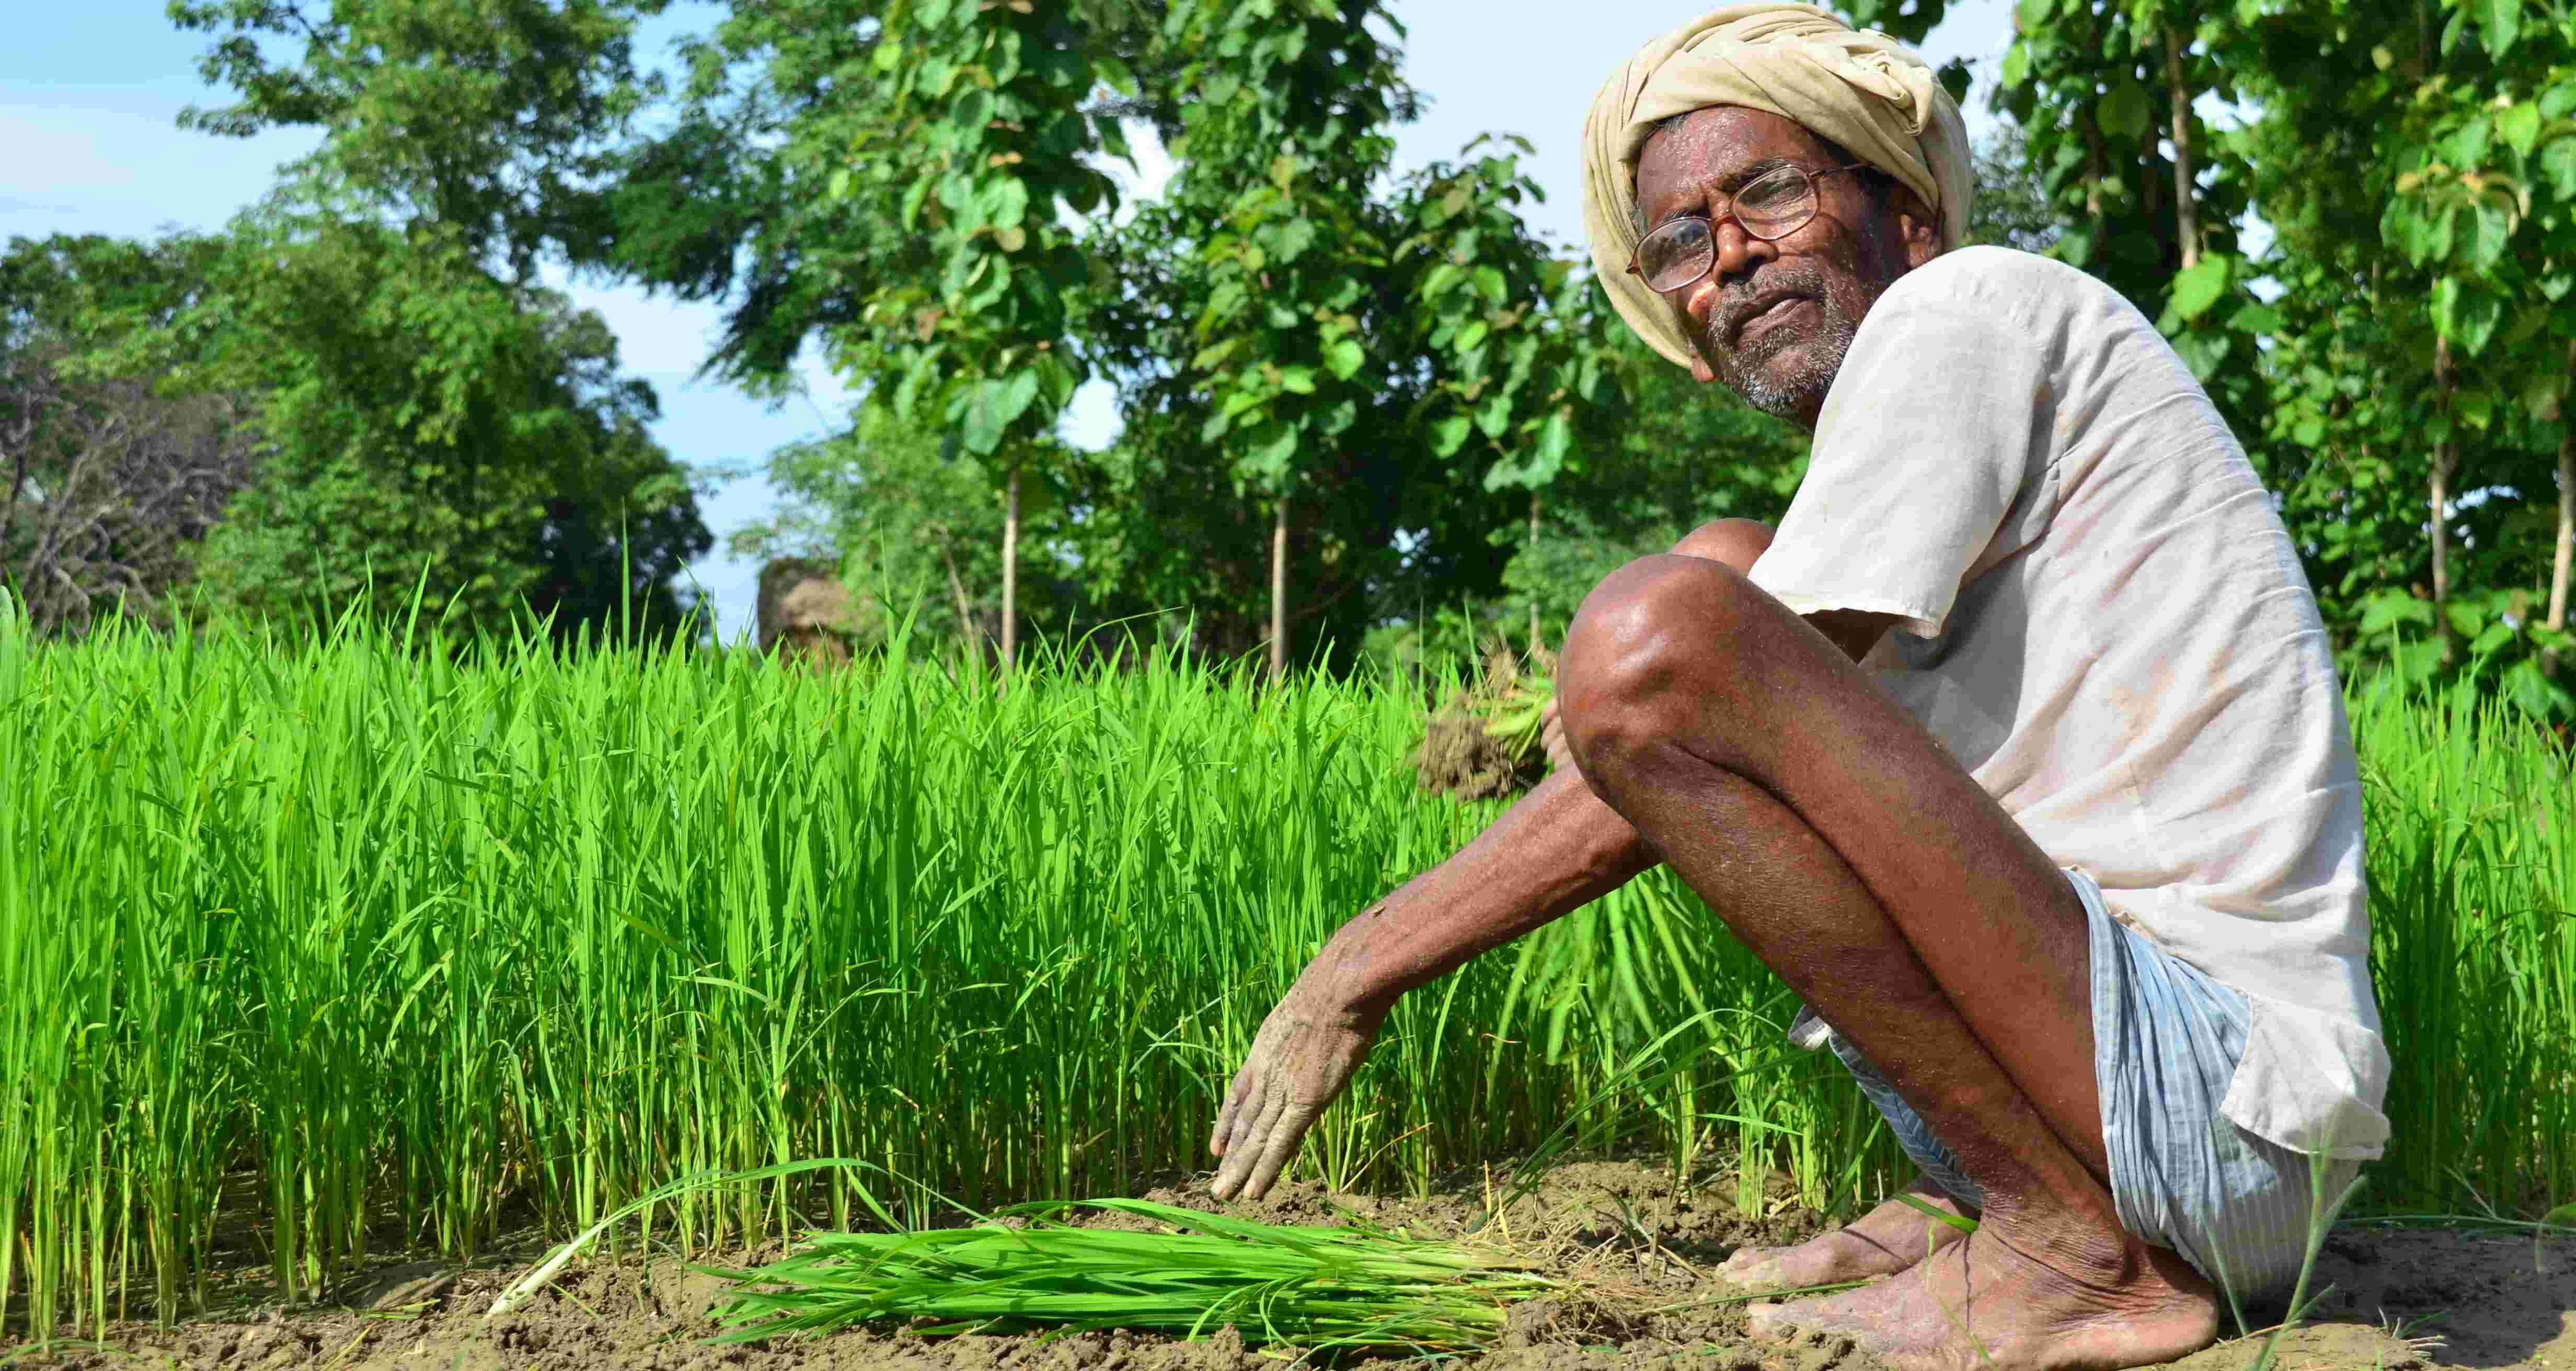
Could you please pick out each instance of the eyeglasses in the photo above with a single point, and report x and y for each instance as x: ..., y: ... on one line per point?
x: 1770, y: 207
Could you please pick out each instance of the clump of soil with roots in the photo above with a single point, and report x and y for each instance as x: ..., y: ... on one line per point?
x: 1484, y: 742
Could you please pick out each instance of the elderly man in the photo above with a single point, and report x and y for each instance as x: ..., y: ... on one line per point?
x: 2017, y: 751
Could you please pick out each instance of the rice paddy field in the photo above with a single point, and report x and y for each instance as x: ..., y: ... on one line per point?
x: 310, y: 956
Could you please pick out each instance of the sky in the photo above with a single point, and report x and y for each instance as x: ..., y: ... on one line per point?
x: 90, y: 96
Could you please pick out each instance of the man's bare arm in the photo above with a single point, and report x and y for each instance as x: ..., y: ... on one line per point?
x: 1557, y: 850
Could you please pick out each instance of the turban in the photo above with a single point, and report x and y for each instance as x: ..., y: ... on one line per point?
x: 1856, y: 87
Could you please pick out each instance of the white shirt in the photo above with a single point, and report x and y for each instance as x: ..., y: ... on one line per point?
x: 2103, y: 620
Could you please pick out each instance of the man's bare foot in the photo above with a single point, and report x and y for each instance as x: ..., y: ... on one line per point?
x: 1982, y: 1305
x: 1882, y: 1242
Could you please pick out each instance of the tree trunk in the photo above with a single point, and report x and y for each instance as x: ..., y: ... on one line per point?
x: 2444, y: 453
x: 1532, y: 543
x: 2558, y: 567
x: 1010, y: 569
x: 1279, y: 591
x: 2186, y: 207
x: 17, y: 485
x: 968, y: 638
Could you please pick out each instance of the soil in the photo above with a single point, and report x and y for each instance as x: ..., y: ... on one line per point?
x: 1462, y: 761
x: 2401, y: 1299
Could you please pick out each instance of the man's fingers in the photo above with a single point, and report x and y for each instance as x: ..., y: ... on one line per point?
x: 1278, y: 1149
x: 1225, y: 1113
x: 1237, y: 1156
x: 1551, y: 737
x: 1243, y: 1146
x: 1249, y: 1104
x: 1294, y: 1071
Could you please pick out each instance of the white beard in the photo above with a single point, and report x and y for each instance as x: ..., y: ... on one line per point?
x: 1801, y: 388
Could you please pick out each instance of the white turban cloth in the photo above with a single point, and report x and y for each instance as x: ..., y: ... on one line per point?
x: 1856, y: 87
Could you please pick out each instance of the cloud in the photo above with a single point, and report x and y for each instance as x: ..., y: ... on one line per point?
x: 10, y: 204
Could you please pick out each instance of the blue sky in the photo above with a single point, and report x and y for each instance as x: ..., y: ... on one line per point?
x: 90, y: 95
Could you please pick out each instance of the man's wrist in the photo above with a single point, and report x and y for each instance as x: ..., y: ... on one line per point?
x: 1347, y: 981
x: 1557, y: 849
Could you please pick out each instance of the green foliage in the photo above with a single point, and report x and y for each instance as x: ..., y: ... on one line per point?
x: 1907, y: 21
x: 427, y: 416
x: 2501, y: 643
x: 1259, y: 332
x: 107, y: 484
x: 2012, y: 208
x: 492, y: 119
x: 1289, y: 130
x: 730, y: 201
x: 975, y: 152
x: 1522, y: 354
x: 423, y: 423
x: 424, y: 413
x: 2086, y: 82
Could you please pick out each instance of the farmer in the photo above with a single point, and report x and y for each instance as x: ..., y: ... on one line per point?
x: 2016, y: 750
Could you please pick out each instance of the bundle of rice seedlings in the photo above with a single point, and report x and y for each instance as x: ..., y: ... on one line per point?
x: 1025, y: 1268
x: 1519, y: 695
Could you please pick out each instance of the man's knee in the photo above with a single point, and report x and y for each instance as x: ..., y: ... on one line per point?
x: 1736, y: 542
x: 1644, y: 655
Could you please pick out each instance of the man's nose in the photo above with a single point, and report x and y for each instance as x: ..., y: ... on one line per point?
x: 1738, y: 252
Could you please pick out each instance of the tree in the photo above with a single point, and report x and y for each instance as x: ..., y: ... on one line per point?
x: 495, y: 120
x: 2012, y: 206
x: 1519, y: 351
x: 106, y: 485
x: 420, y: 417
x: 2391, y: 356
x: 977, y: 153
x: 466, y: 140
x: 732, y: 203
x: 1279, y: 152
x: 2486, y: 200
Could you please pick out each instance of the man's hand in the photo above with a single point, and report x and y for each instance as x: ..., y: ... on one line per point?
x: 1551, y: 736
x: 1301, y: 1060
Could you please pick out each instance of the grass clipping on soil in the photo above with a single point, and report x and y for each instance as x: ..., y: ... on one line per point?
x: 1028, y: 1269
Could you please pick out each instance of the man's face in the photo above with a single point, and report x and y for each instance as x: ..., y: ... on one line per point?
x: 1773, y: 320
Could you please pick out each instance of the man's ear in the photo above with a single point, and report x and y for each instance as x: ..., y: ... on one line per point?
x: 1916, y: 226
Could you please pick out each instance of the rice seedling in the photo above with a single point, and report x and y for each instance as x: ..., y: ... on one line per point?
x: 2472, y: 849
x: 1027, y: 1267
